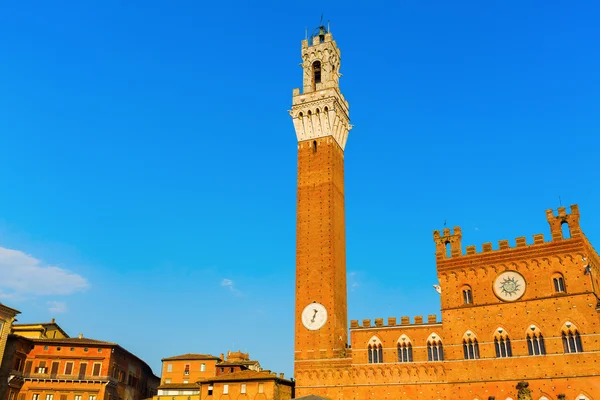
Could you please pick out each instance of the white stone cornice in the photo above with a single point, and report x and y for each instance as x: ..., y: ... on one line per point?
x: 320, y: 114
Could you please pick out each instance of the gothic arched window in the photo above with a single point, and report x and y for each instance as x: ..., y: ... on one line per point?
x: 571, y: 339
x: 535, y: 342
x: 375, y: 351
x: 470, y: 346
x: 435, y: 350
x: 502, y: 344
x: 405, y: 351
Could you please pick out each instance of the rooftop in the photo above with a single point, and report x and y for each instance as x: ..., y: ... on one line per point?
x: 77, y: 340
x: 247, y: 375
x: 191, y: 356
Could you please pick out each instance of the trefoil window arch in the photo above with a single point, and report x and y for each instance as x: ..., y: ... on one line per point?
x: 535, y: 341
x: 470, y: 346
x: 405, y: 350
x: 502, y: 344
x: 571, y: 338
x: 375, y: 351
x: 435, y: 349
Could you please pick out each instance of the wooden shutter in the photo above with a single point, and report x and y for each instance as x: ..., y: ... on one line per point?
x: 96, y: 370
x: 69, y: 368
x: 82, y: 370
x: 63, y: 397
x: 54, y: 370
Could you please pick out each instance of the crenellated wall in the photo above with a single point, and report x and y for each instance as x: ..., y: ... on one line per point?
x: 482, y: 317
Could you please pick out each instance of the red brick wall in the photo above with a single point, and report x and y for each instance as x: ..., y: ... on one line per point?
x: 320, y: 249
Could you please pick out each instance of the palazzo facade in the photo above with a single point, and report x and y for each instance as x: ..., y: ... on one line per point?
x: 526, y: 315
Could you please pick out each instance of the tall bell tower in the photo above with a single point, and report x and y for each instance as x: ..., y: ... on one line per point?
x: 320, y: 116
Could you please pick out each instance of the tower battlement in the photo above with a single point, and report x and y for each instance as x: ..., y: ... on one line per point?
x: 448, y: 244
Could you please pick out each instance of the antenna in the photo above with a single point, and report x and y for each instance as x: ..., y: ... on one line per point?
x: 306, y: 33
x: 328, y: 29
x: 321, y: 22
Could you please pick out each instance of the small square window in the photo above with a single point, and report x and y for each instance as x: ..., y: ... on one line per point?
x: 168, y: 380
x: 202, y: 367
x: 243, y: 389
x: 99, y: 350
x: 58, y: 348
x: 77, y: 397
x: 85, y: 349
x: 225, y: 389
x: 185, y: 381
x: 45, y: 347
x: 169, y: 367
x: 261, y: 388
x: 72, y: 349
x: 210, y: 390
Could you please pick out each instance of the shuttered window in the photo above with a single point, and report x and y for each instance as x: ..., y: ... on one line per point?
x: 69, y: 368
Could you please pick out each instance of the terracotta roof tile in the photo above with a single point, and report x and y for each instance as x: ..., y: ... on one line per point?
x: 191, y: 356
x: 76, y: 340
x: 246, y: 375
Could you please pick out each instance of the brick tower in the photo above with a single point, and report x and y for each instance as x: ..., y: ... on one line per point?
x: 320, y: 116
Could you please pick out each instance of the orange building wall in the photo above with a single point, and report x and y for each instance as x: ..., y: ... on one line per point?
x: 177, y: 375
x: 271, y: 391
x: 120, y: 376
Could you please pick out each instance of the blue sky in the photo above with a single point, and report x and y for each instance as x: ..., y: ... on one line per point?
x: 148, y: 162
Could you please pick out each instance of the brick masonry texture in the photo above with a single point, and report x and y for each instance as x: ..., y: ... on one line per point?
x: 326, y: 366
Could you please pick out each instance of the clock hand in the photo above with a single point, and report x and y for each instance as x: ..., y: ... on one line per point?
x: 315, y: 314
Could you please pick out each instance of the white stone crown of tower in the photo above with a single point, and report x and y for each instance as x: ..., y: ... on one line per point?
x: 321, y: 109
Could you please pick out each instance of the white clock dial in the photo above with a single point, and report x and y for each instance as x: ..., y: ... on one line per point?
x: 509, y: 286
x: 314, y: 316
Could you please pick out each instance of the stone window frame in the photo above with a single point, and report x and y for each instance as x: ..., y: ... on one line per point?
x: 435, y: 348
x: 405, y: 349
x: 502, y: 344
x: 375, y: 351
x: 470, y: 346
x: 536, y: 345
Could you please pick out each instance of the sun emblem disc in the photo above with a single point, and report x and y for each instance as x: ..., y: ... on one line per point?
x: 509, y: 286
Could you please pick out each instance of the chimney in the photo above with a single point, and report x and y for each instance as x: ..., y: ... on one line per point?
x: 222, y: 357
x: 281, y: 375
x: 52, y: 322
x: 80, y: 336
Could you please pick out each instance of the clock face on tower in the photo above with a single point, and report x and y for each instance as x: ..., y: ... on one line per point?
x: 509, y: 286
x: 314, y: 316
